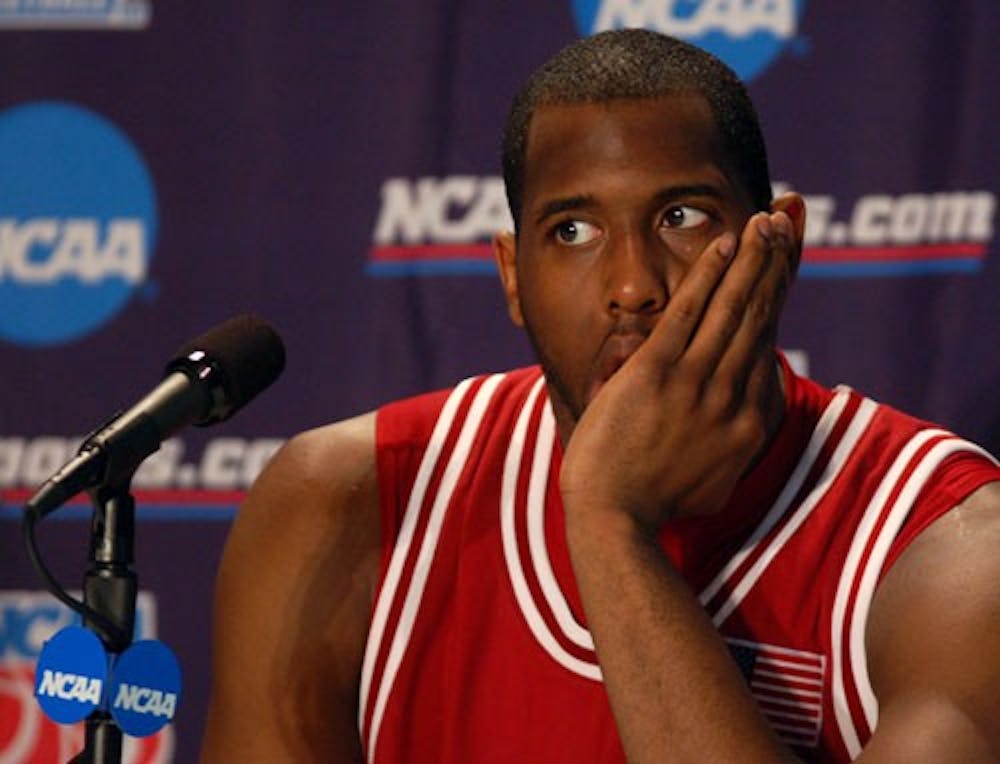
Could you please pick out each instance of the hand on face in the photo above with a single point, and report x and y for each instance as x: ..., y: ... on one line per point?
x: 672, y: 431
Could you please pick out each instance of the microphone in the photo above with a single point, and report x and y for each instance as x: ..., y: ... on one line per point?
x: 207, y: 381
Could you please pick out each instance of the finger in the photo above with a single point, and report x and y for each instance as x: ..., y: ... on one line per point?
x: 757, y: 328
x: 728, y: 305
x: 686, y: 308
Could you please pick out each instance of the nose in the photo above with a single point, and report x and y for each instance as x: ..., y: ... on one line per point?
x: 635, y: 274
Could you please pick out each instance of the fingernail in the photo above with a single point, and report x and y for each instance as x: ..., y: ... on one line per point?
x: 795, y: 208
x: 727, y: 246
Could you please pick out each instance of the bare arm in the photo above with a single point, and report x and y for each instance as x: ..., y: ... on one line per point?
x: 933, y: 652
x: 933, y: 642
x: 293, y: 597
x: 671, y: 434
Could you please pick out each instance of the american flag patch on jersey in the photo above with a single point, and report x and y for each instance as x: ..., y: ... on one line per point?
x: 788, y: 687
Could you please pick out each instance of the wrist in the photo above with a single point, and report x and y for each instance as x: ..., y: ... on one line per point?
x: 591, y: 520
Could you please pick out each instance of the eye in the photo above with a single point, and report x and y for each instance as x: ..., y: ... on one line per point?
x: 575, y: 232
x: 682, y: 216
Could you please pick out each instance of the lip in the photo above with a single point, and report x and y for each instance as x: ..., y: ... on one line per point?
x: 615, y: 351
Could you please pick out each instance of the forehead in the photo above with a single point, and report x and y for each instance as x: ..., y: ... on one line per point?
x: 588, y: 149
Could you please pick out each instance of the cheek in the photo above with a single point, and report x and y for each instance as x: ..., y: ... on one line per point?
x: 686, y: 250
x: 554, y: 289
x: 561, y: 310
x: 681, y: 253
x: 677, y: 269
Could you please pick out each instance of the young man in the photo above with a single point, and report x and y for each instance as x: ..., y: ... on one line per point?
x: 662, y: 545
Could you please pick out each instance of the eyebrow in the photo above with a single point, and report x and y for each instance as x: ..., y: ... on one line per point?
x: 663, y: 196
x: 673, y: 193
x: 563, y: 204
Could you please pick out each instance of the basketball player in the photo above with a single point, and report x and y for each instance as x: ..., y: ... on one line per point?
x: 661, y: 544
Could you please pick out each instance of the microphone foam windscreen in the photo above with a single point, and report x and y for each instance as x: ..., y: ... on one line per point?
x: 246, y: 350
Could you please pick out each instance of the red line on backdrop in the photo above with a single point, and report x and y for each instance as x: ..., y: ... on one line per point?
x: 151, y: 496
x: 812, y: 254
x: 433, y: 252
x: 189, y: 496
x: 865, y: 254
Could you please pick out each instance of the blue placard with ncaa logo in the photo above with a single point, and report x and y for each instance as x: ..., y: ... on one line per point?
x: 77, y: 222
x: 747, y: 34
x: 144, y: 688
x: 71, y: 675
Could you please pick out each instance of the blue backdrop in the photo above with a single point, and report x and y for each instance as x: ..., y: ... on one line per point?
x: 334, y: 167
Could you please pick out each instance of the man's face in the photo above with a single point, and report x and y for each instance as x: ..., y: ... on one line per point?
x: 619, y: 199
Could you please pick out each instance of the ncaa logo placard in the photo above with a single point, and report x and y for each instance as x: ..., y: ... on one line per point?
x: 746, y: 34
x: 29, y: 620
x: 72, y: 670
x: 145, y: 687
x: 77, y: 222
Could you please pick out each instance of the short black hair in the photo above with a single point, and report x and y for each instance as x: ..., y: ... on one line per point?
x: 635, y: 64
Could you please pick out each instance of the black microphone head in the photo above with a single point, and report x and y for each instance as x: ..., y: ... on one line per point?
x: 238, y: 358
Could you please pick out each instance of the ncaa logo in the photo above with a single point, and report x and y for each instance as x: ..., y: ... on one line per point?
x: 77, y: 222
x: 746, y: 34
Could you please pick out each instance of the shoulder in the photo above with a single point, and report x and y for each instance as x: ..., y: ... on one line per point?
x: 957, y: 547
x: 321, y: 465
x: 293, y: 596
x: 319, y: 481
x: 931, y: 638
x: 312, y: 520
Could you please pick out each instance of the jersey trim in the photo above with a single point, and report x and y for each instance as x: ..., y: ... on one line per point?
x: 415, y: 507
x: 858, y: 422
x: 824, y: 428
x: 538, y: 478
x: 880, y: 524
x: 573, y: 630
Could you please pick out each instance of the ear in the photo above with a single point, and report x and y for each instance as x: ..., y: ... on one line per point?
x: 505, y: 254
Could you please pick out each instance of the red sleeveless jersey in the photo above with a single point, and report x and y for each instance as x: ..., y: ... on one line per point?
x: 477, y: 649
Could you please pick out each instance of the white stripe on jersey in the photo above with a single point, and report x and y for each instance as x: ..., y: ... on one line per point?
x: 855, y: 627
x: 824, y: 427
x: 508, y: 491
x: 401, y: 548
x: 411, y: 603
x: 870, y: 517
x: 841, y: 454
x: 536, y: 534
